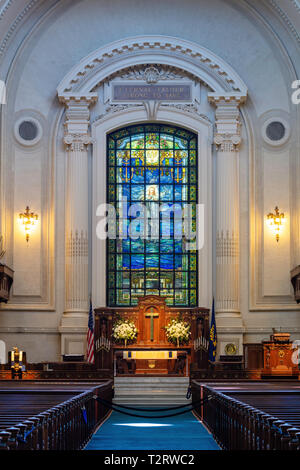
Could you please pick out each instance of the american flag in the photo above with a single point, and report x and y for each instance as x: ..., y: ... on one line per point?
x: 90, y: 337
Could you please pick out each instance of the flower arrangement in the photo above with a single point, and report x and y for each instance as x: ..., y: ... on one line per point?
x: 178, y: 331
x: 124, y: 330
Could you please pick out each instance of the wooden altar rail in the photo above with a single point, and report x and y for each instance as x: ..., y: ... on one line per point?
x: 238, y: 426
x: 60, y: 427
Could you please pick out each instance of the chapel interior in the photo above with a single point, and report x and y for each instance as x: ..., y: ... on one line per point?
x: 149, y: 223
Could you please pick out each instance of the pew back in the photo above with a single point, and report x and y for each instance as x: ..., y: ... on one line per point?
x: 50, y: 416
x: 253, y: 419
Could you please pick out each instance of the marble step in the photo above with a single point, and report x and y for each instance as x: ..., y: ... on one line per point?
x: 151, y: 385
x: 162, y: 379
x: 156, y: 378
x: 180, y: 393
x: 151, y: 390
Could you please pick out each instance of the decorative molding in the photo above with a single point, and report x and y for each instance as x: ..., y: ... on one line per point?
x: 14, y: 25
x: 229, y: 98
x: 152, y: 73
x: 116, y: 108
x: 296, y: 4
x: 77, y: 142
x: 5, y: 8
x: 85, y: 99
x: 151, y: 109
x: 190, y: 108
x: 186, y: 55
x: 227, y: 142
x: 28, y: 330
x: 228, y: 127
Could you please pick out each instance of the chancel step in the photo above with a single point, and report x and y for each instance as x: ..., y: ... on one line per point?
x: 151, y: 390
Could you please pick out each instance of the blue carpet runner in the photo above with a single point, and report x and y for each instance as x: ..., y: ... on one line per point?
x: 120, y: 432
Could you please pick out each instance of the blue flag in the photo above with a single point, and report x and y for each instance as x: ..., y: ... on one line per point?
x: 84, y: 413
x: 212, y: 349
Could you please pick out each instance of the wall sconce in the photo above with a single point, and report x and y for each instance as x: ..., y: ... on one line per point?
x: 28, y: 219
x: 275, y: 221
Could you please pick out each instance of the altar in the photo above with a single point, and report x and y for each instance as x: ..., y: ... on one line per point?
x: 152, y: 361
x: 151, y: 352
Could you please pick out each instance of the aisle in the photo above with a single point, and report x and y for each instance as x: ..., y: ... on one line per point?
x: 120, y: 432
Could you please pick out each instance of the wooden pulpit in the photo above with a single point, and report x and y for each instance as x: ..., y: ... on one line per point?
x: 152, y: 353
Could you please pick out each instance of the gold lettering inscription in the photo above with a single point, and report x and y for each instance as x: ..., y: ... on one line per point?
x: 152, y: 92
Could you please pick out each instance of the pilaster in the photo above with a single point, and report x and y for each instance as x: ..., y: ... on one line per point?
x: 77, y: 139
x: 227, y: 140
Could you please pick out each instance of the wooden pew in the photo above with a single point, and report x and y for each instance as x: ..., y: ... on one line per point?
x: 250, y: 419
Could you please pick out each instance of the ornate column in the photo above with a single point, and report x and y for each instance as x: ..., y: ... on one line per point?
x: 77, y: 140
x: 227, y: 140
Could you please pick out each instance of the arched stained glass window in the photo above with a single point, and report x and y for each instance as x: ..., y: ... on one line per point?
x: 155, y: 167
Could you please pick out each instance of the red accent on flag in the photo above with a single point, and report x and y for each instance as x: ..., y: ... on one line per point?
x: 90, y: 357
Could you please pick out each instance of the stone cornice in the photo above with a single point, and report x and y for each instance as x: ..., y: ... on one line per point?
x: 78, y: 98
x: 77, y: 119
x: 227, y: 98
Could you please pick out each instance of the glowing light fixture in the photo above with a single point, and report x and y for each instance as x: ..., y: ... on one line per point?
x: 275, y: 221
x: 28, y: 219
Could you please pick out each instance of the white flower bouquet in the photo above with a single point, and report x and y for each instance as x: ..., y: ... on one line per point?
x: 178, y: 331
x: 124, y: 330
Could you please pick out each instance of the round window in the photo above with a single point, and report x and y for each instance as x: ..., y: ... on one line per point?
x: 275, y: 130
x: 28, y: 131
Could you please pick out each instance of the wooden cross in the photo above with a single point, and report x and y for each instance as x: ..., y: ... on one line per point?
x: 151, y: 315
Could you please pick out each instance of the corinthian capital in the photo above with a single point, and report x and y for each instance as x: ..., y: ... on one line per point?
x: 77, y: 142
x: 227, y: 142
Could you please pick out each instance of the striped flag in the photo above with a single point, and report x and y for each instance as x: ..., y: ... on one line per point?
x: 90, y: 337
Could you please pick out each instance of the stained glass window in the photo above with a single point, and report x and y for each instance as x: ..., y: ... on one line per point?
x: 154, y: 166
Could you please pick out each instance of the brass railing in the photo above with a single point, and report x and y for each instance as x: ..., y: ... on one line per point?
x: 238, y: 426
x: 66, y: 426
